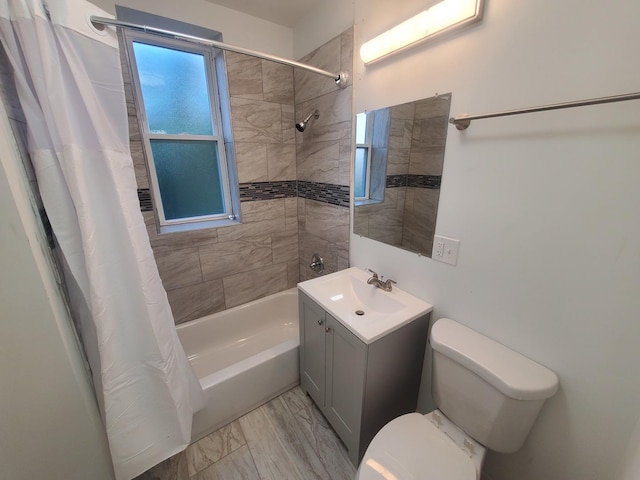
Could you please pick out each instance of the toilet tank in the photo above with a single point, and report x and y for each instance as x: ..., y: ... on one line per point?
x: 488, y: 390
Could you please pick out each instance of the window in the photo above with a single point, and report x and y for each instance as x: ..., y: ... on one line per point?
x: 181, y: 128
x: 362, y: 172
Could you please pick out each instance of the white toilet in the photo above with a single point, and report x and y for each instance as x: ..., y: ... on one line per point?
x: 488, y: 397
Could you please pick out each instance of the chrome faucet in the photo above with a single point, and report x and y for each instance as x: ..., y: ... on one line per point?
x: 380, y: 282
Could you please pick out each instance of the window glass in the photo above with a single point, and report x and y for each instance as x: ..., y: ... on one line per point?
x: 189, y: 178
x: 360, y: 172
x: 361, y: 128
x: 175, y: 90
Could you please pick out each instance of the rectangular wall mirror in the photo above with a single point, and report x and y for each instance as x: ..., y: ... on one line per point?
x: 398, y: 168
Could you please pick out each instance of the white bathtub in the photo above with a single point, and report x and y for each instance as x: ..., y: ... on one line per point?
x: 244, y: 357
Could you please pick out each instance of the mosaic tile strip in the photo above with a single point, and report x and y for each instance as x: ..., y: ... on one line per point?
x: 324, y: 192
x: 415, y: 181
x: 251, y: 192
x: 394, y: 181
x: 424, y: 181
x: 144, y: 197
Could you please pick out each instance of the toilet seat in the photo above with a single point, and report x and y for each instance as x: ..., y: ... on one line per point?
x: 412, y: 447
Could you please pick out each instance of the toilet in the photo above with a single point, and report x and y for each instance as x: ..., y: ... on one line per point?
x: 488, y: 397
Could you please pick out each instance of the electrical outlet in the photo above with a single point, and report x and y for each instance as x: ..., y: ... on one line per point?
x: 445, y: 249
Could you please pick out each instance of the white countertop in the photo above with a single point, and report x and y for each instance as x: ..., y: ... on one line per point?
x: 344, y: 292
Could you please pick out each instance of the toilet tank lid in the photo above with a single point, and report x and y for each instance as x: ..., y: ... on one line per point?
x: 515, y: 375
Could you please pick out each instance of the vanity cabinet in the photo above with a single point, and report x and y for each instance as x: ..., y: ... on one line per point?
x: 359, y: 386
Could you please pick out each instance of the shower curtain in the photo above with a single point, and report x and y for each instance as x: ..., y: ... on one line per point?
x: 70, y: 86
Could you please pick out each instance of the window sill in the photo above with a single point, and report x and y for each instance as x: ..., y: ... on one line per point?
x: 189, y: 227
x: 360, y: 203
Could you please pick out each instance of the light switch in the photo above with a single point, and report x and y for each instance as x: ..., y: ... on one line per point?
x: 445, y: 249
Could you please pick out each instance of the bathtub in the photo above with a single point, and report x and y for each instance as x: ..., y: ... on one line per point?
x: 243, y: 357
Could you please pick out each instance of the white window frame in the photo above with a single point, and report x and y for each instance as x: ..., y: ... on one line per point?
x: 367, y: 147
x: 187, y: 223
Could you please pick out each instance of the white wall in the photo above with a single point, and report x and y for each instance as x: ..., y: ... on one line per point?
x: 546, y: 207
x: 630, y: 466
x: 51, y: 427
x: 237, y: 28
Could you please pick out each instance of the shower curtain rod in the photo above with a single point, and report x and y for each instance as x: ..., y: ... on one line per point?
x: 341, y: 78
x: 462, y: 122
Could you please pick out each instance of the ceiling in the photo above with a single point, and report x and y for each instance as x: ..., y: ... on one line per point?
x: 283, y: 12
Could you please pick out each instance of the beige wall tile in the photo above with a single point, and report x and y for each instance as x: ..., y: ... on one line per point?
x: 245, y: 230
x: 288, y: 117
x: 251, y: 162
x: 326, y: 221
x: 226, y: 258
x: 277, y: 82
x: 291, y: 213
x: 245, y: 76
x: 285, y: 246
x: 327, y: 57
x: 195, y: 301
x: 281, y: 161
x: 263, y: 210
x: 162, y: 242
x: 179, y: 268
x: 244, y: 287
x: 319, y: 162
x: 256, y: 121
x: 293, y: 273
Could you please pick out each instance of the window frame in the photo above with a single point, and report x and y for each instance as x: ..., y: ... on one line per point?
x: 209, y: 54
x: 368, y: 147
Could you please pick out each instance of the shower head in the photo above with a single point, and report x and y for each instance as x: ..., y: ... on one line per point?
x: 303, y: 124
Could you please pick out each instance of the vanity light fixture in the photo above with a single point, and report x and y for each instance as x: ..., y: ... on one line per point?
x: 442, y: 17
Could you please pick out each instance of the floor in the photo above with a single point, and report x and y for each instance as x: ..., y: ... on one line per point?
x: 287, y: 438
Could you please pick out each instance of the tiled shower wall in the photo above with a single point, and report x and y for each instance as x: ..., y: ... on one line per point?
x: 205, y: 271
x: 323, y: 154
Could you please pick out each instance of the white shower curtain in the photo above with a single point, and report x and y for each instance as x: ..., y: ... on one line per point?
x: 70, y: 86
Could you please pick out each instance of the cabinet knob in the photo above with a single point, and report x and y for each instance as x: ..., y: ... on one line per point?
x: 327, y: 329
x: 320, y: 322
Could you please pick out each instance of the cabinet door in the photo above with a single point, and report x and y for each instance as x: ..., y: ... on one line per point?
x: 312, y: 349
x: 346, y: 363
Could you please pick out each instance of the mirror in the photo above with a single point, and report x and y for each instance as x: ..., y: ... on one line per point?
x: 398, y: 168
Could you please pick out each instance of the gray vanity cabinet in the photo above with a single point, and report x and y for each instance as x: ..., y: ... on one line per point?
x: 359, y: 387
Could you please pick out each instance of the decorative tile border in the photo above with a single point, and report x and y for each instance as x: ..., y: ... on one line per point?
x: 144, y: 197
x: 424, y: 181
x: 324, y: 192
x: 394, y: 181
x: 251, y: 192
x: 415, y: 181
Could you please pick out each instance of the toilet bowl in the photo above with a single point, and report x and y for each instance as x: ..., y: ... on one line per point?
x: 430, y: 445
x: 488, y: 397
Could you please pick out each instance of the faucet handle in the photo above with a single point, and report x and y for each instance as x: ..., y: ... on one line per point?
x: 387, y: 284
x: 375, y: 275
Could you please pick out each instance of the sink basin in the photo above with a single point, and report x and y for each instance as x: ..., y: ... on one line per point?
x: 367, y: 311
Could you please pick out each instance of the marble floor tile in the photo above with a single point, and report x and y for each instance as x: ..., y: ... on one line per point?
x: 325, y: 443
x: 173, y: 468
x: 237, y: 465
x: 296, y: 399
x: 285, y: 439
x: 212, y: 448
x: 278, y: 446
